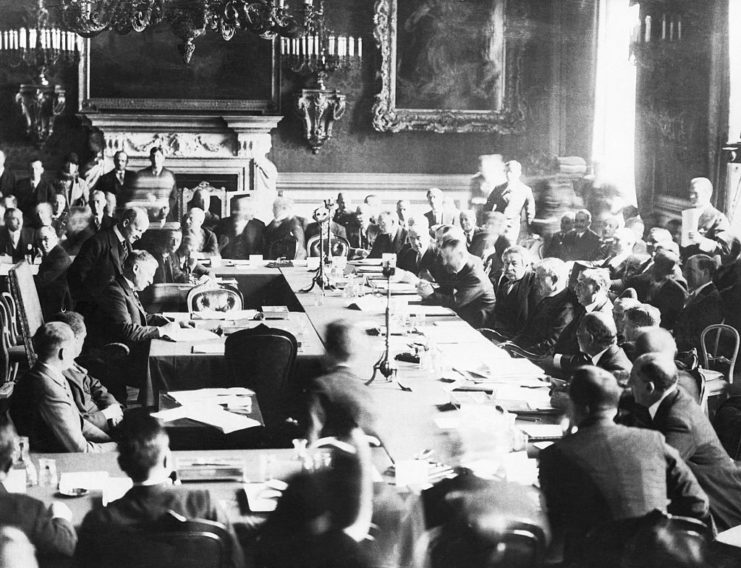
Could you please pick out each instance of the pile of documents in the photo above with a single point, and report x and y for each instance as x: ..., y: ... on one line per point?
x: 221, y: 408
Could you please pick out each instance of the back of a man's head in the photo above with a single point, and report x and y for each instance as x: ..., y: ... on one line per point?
x: 341, y: 340
x: 142, y: 444
x: 657, y: 368
x: 594, y: 389
x: 50, y: 338
x: 601, y: 329
x: 656, y: 340
x: 8, y: 442
x: 74, y: 320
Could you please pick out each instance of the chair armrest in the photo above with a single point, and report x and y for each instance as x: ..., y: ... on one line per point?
x: 115, y: 352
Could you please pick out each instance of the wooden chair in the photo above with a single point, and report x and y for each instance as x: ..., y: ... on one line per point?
x: 719, y: 345
x: 340, y: 246
x: 30, y: 316
x: 212, y: 296
x: 216, y: 199
x: 169, y: 542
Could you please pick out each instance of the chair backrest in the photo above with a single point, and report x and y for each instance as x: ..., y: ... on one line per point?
x: 283, y: 248
x: 720, y: 344
x: 14, y: 331
x: 169, y: 542
x: 5, y: 373
x: 217, y: 300
x: 30, y: 316
x: 340, y: 246
x: 263, y: 359
x: 215, y: 196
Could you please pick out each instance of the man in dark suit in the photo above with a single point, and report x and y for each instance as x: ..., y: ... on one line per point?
x: 7, y: 178
x: 94, y: 402
x: 465, y: 287
x: 582, y: 243
x: 119, y: 181
x: 511, y: 198
x: 666, y: 407
x: 49, y: 529
x: 34, y: 189
x: 712, y: 236
x: 158, y: 181
x: 51, y: 280
x: 44, y: 408
x: 660, y: 287
x: 361, y: 232
x: 552, y: 313
x: 516, y: 293
x: 100, y: 220
x: 555, y: 247
x: 418, y: 255
x: 144, y: 455
x: 597, y: 337
x: 16, y: 240
x: 392, y: 236
x: 240, y: 235
x: 704, y: 305
x: 205, y: 239
x: 592, y: 288
x: 439, y: 214
x: 284, y: 227
x: 607, y: 472
x: 101, y: 256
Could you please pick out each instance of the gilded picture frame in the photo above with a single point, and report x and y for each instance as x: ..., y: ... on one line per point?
x: 432, y: 81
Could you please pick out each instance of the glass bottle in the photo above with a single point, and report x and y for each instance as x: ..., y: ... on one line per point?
x: 24, y: 462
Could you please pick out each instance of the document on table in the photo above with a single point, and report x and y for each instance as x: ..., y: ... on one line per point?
x: 397, y: 287
x: 542, y: 432
x: 90, y: 480
x: 368, y: 304
x: 210, y: 414
x: 211, y: 396
x: 190, y: 334
x: 231, y: 315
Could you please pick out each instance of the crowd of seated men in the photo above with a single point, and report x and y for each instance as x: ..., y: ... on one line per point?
x: 615, y: 313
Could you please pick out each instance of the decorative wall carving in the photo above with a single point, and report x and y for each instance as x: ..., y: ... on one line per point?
x: 504, y: 112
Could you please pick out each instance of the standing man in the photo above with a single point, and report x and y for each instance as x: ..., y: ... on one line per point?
x: 158, y: 181
x: 511, y: 198
x: 119, y: 181
x: 7, y: 178
x: 33, y: 190
x: 438, y: 213
x: 16, y: 240
x: 240, y: 235
x: 101, y: 258
x: 712, y: 235
x: 465, y: 288
x: 468, y: 225
x: 100, y: 220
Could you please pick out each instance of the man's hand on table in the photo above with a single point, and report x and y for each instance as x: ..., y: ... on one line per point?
x: 425, y: 289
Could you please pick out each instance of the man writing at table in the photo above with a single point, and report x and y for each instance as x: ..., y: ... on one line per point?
x: 464, y: 288
x: 144, y: 455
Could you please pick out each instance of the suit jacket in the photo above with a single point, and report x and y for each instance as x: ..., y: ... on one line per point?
x: 546, y: 322
x: 608, y: 472
x: 586, y: 247
x: 45, y: 410
x: 388, y: 244
x: 469, y: 293
x: 511, y: 200
x: 567, y: 343
x: 163, y: 185
x: 143, y: 504
x: 52, y: 537
x: 98, y: 263
x: 614, y: 359
x: 700, y: 311
x: 556, y: 247
x: 337, y: 230
x: 29, y: 196
x: 444, y: 217
x: 249, y: 241
x: 689, y: 431
x: 169, y: 270
x: 107, y: 222
x: 7, y: 182
x: 51, y: 282
x: 514, y: 304
x: 669, y: 298
x: 121, y: 316
x: 288, y: 227
x: 19, y: 251
x: 90, y: 396
x: 356, y: 237
x: 408, y: 259
x: 110, y: 183
x: 713, y: 225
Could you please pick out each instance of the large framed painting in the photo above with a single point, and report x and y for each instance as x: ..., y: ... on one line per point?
x: 449, y: 65
x: 145, y: 71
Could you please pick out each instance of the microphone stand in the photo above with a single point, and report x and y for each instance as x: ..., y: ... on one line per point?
x: 385, y: 365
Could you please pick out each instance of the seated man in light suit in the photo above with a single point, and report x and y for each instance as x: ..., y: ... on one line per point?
x: 144, y: 455
x: 45, y: 408
x: 712, y: 236
x: 95, y: 403
x: 607, y: 472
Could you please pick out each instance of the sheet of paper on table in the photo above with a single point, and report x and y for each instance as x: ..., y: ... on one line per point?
x: 397, y: 287
x: 209, y: 348
x: 211, y: 396
x: 210, y: 414
x: 231, y: 315
x: 261, y: 498
x: 542, y: 432
x: 90, y: 480
x: 430, y: 311
x: 191, y: 334
x: 371, y: 304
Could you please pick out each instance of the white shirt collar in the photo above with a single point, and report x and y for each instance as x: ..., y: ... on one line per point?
x: 593, y: 306
x: 654, y: 408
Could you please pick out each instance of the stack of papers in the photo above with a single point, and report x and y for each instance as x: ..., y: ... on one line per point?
x: 219, y: 396
x: 90, y: 480
x: 370, y: 304
x: 397, y: 287
x: 209, y: 414
x: 191, y: 334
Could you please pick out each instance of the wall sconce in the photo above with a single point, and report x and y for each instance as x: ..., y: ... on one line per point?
x: 319, y: 108
x: 40, y: 104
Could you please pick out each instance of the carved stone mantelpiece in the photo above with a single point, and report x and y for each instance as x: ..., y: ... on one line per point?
x: 193, y: 143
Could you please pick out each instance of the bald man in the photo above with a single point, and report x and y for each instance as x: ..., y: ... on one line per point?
x: 670, y: 410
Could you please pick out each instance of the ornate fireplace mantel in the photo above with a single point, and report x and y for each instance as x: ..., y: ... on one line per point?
x: 194, y: 143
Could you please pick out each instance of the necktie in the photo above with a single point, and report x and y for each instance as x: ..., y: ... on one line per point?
x: 168, y: 269
x: 123, y: 251
x: 120, y: 177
